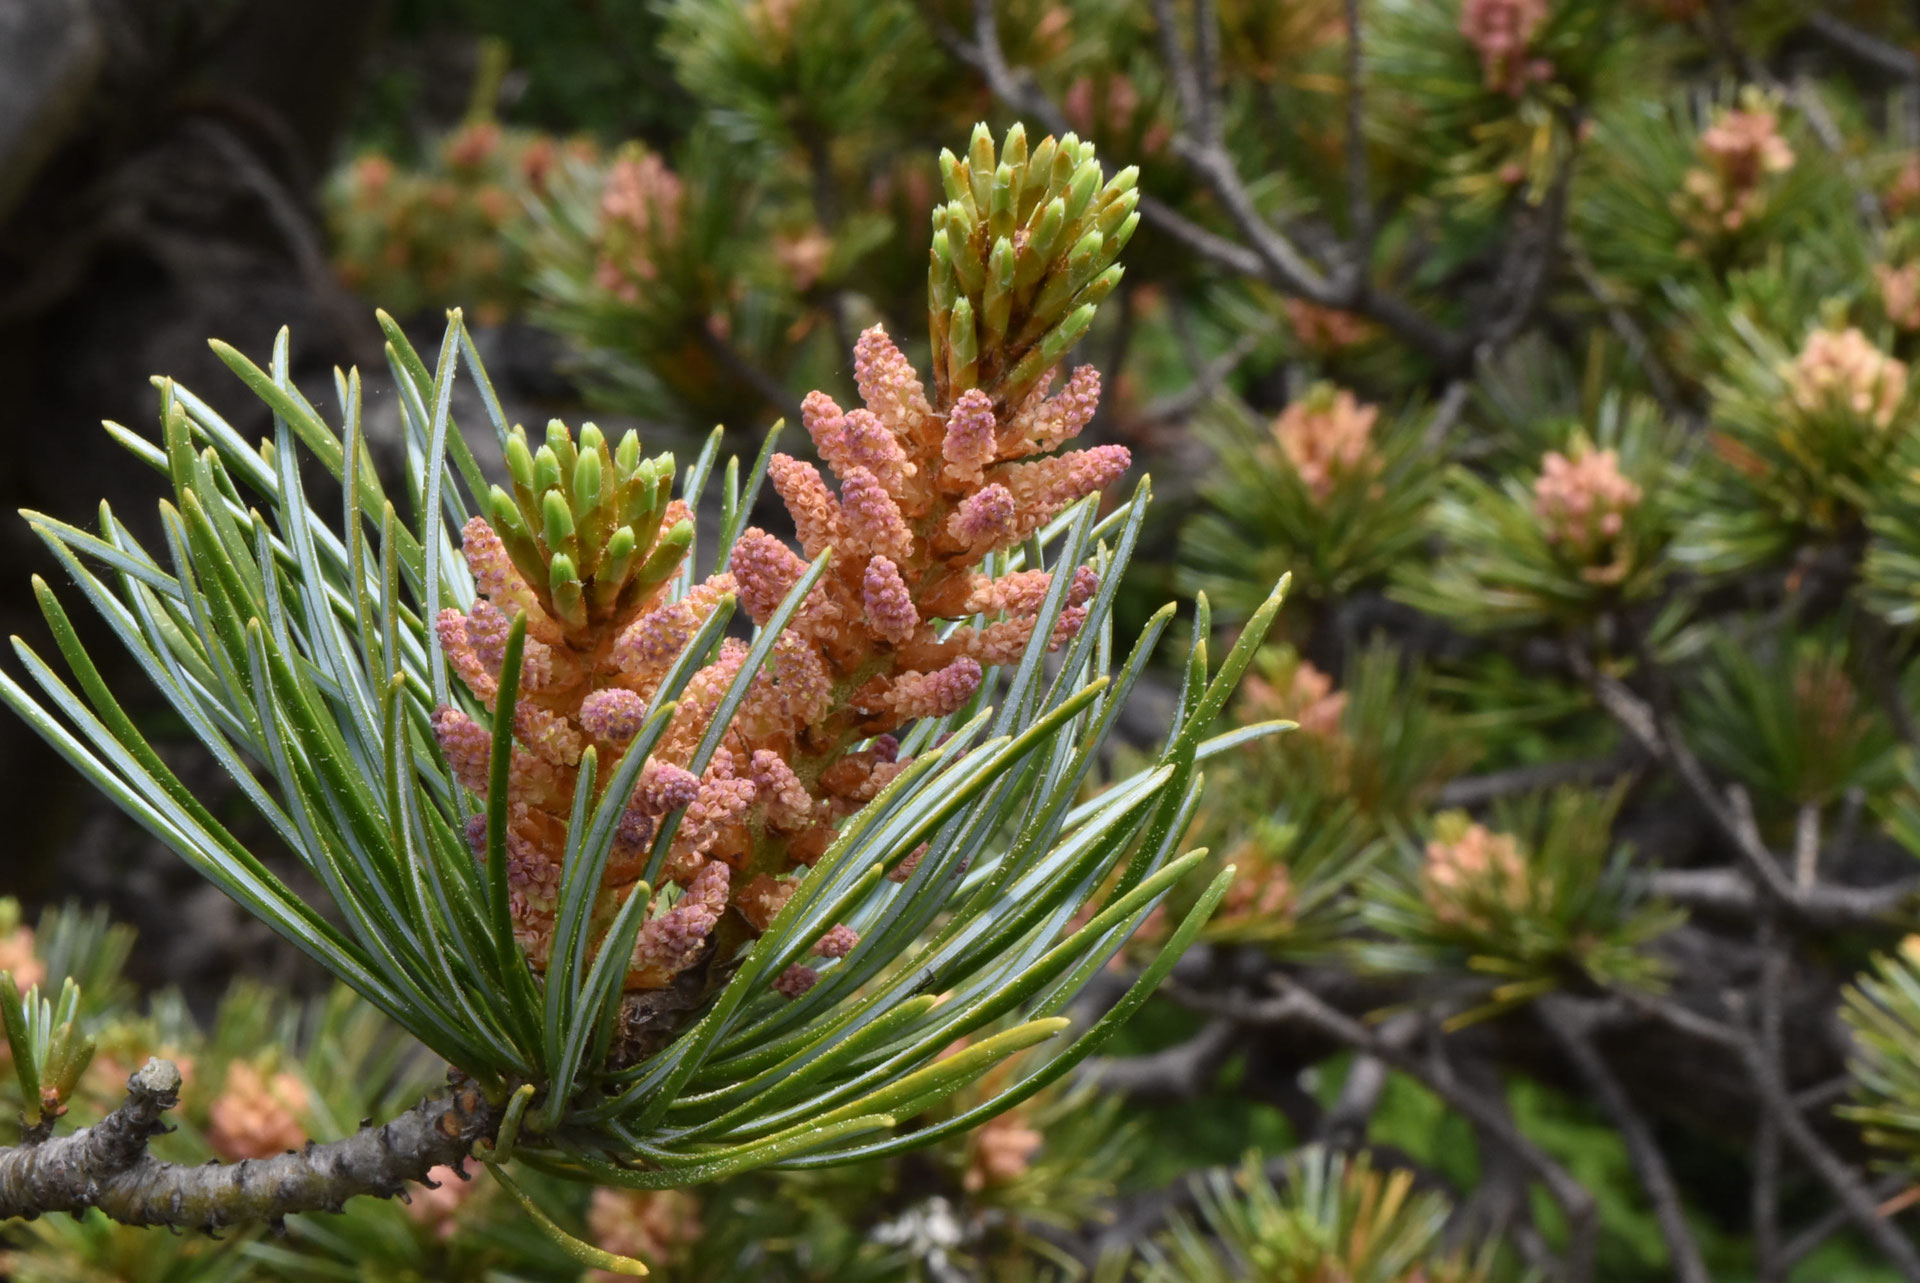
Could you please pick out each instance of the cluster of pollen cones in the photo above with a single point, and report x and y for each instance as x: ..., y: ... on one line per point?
x: 925, y: 493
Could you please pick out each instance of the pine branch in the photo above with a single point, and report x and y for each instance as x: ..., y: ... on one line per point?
x: 107, y: 1166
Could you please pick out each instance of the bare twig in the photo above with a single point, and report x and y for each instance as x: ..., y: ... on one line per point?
x: 1766, y: 1141
x: 1729, y: 891
x: 1180, y: 70
x: 1180, y: 1072
x: 298, y: 233
x: 1453, y: 403
x: 1525, y: 268
x: 1176, y: 406
x: 107, y: 1166
x: 1806, y: 97
x: 1811, y: 1237
x: 1574, y: 1200
x: 1359, y: 199
x: 735, y: 363
x: 1345, y: 1125
x: 1201, y: 146
x: 1478, y: 790
x: 1806, y: 845
x: 1016, y: 88
x: 1847, y: 1187
x: 1630, y: 333
x: 1821, y: 903
x: 1564, y: 1023
x: 1858, y: 44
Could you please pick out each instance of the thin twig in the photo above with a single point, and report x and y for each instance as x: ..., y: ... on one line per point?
x: 1478, y: 790
x: 1630, y: 333
x: 1809, y: 1239
x: 735, y: 363
x: 1821, y: 903
x: 1730, y: 891
x: 1180, y: 1072
x: 1648, y: 1163
x: 1852, y: 1193
x: 1576, y: 1204
x: 1806, y: 845
x: 1016, y: 88
x: 1176, y: 406
x: 1768, y: 1265
x: 1857, y: 43
x: 1453, y: 403
x: 1806, y: 97
x: 1268, y: 254
x: 1186, y: 89
x: 1359, y: 199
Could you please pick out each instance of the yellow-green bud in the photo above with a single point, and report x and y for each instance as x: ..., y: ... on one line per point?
x: 627, y: 457
x: 1005, y: 194
x: 960, y: 225
x: 640, y: 505
x: 69, y: 1052
x: 1100, y: 287
x: 1014, y: 150
x: 980, y: 166
x: 546, y: 470
x: 511, y: 525
x: 1060, y: 288
x: 1039, y: 170
x: 967, y: 266
x: 615, y: 566
x: 1115, y: 212
x: 564, y: 588
x: 503, y: 511
x: 963, y: 348
x: 520, y: 461
x: 666, y: 555
x: 942, y: 284
x: 952, y: 177
x: 556, y: 519
x: 663, y: 481
x: 996, y: 306
x: 1066, y: 159
x: 586, y: 483
x: 560, y: 441
x: 1042, y: 237
x: 1069, y: 332
x: 1086, y: 181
